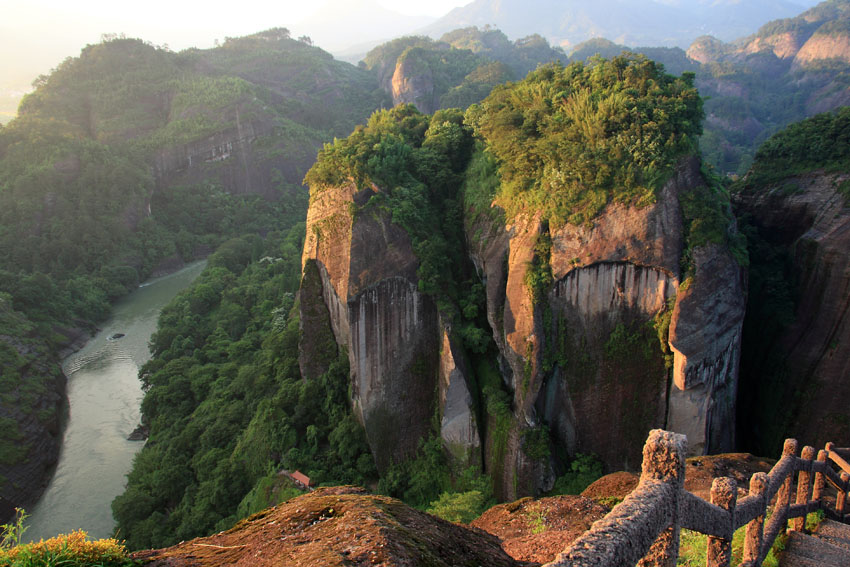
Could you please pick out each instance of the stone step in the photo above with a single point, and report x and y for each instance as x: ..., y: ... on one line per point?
x: 802, y: 549
x: 836, y: 533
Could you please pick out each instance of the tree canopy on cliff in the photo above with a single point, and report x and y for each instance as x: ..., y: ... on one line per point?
x: 571, y: 139
x: 822, y: 141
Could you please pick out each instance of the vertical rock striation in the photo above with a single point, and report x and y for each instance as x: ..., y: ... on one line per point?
x: 586, y: 360
x: 400, y: 354
x: 800, y: 381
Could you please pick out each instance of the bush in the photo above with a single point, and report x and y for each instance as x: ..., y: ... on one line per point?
x: 584, y: 470
x: 460, y: 507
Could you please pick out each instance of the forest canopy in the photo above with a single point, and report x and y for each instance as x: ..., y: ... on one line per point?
x: 571, y: 139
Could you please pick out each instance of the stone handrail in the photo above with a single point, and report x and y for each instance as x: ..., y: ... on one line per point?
x: 644, y: 528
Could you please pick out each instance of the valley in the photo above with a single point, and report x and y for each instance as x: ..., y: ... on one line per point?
x: 465, y: 271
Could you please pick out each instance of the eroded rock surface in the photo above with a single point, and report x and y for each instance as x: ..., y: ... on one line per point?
x: 368, y: 279
x: 335, y: 527
x: 413, y: 82
x: 587, y: 361
x: 812, y: 225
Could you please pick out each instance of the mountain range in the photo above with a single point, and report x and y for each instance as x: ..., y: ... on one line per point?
x: 631, y: 22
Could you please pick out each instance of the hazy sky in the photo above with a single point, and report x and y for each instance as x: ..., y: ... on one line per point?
x: 36, y: 35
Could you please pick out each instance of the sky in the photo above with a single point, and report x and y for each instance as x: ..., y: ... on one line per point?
x: 37, y: 35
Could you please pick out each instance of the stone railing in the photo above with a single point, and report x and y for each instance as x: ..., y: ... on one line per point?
x: 644, y: 528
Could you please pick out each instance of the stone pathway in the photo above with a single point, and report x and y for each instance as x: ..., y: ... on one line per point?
x: 829, y: 546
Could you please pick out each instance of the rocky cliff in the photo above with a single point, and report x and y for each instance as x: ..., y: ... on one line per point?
x: 249, y: 155
x: 367, y: 270
x: 625, y: 318
x: 413, y: 82
x: 589, y: 349
x: 800, y: 379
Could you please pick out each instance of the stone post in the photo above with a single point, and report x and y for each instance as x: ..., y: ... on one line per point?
x: 664, y: 460
x: 779, y: 521
x: 820, y: 478
x: 841, y: 499
x: 724, y: 493
x: 804, y: 485
x: 755, y: 529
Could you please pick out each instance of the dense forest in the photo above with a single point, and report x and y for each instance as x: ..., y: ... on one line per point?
x: 130, y: 159
x: 226, y: 403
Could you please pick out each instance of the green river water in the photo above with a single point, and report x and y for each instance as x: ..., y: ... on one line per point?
x: 104, y: 395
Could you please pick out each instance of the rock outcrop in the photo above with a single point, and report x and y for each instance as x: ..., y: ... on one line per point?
x: 593, y: 346
x: 822, y: 47
x: 251, y: 156
x: 338, y: 526
x: 393, y: 333
x: 590, y: 350
x: 413, y: 82
x: 808, y: 219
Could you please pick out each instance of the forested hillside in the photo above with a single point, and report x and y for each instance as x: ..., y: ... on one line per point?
x: 500, y: 253
x: 458, y: 70
x: 131, y: 159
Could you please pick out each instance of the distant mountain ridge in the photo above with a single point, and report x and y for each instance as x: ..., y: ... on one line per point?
x: 631, y: 22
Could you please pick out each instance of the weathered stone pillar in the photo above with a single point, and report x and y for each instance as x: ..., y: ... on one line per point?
x: 664, y: 460
x: 724, y: 493
x: 804, y: 485
x: 755, y: 529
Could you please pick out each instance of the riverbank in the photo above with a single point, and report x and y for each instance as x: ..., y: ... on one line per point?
x: 103, y: 395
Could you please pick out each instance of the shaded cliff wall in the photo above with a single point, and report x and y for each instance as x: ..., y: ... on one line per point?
x: 31, y: 409
x: 795, y: 378
x: 405, y: 368
x: 590, y: 358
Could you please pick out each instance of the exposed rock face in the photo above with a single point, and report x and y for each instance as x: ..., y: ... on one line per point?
x: 705, y: 336
x: 813, y: 225
x: 703, y: 49
x: 590, y: 351
x: 588, y: 359
x: 458, y: 422
x: 784, y: 45
x: 368, y: 279
x: 336, y: 527
x: 413, y: 83
x: 232, y: 159
x: 823, y: 46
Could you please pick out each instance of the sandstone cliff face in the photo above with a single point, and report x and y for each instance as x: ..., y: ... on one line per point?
x: 399, y: 351
x: 586, y: 360
x: 823, y: 47
x: 590, y: 360
x: 705, y: 337
x: 413, y: 83
x: 784, y: 45
x: 813, y: 225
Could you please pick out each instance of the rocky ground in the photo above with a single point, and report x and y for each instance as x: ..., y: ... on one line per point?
x: 348, y: 526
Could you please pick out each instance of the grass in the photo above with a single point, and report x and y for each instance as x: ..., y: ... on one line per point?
x: 693, y: 545
x: 72, y: 550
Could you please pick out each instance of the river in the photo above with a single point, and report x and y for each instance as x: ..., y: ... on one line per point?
x: 104, y: 394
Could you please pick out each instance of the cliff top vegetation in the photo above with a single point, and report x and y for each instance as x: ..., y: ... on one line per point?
x: 822, y: 141
x: 571, y: 139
